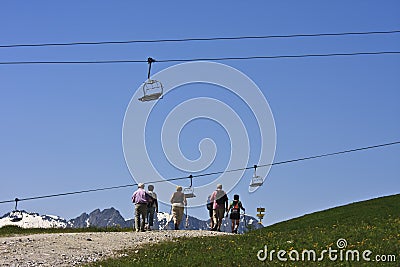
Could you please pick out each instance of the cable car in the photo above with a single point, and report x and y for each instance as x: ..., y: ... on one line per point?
x: 152, y: 89
x: 256, y: 180
x: 189, y: 191
x: 16, y: 215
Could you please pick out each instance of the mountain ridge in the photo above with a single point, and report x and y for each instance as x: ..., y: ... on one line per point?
x: 111, y: 217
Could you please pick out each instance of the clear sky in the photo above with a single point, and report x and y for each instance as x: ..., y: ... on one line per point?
x: 61, y: 125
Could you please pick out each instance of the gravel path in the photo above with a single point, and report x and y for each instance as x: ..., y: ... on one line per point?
x: 74, y: 249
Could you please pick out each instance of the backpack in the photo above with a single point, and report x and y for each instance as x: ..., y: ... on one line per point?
x: 150, y: 200
x: 235, y: 208
x: 221, y: 198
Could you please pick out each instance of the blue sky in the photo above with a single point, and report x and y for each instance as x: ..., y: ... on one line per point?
x: 61, y: 125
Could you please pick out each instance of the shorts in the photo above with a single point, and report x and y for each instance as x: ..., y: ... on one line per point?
x: 234, y: 216
x: 177, y: 214
x: 219, y: 213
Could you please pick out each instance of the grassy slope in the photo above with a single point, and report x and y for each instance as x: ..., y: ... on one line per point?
x: 372, y: 225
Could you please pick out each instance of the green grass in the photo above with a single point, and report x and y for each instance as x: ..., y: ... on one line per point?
x: 15, y: 230
x: 370, y: 225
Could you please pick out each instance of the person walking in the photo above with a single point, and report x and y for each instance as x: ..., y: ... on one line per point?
x: 220, y: 200
x: 210, y: 206
x: 140, y: 199
x: 234, y: 209
x: 152, y: 207
x: 178, y: 201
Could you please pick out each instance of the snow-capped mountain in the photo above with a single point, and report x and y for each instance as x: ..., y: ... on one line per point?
x: 192, y: 223
x: 164, y: 222
x: 25, y: 219
x: 111, y: 218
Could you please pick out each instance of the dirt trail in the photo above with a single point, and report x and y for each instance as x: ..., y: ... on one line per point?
x: 74, y: 249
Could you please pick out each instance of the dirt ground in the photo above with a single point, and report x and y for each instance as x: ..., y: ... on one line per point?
x: 74, y: 249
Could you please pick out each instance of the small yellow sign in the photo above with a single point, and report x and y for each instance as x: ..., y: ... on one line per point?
x: 260, y: 214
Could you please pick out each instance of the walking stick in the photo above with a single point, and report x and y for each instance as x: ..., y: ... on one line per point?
x: 169, y: 219
x: 187, y: 219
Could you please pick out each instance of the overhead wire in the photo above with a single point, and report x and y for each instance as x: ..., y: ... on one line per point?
x: 282, y: 56
x: 201, y: 59
x: 207, y: 174
x: 201, y: 39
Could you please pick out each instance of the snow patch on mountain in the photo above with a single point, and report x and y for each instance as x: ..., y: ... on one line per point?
x: 112, y: 218
x: 25, y: 219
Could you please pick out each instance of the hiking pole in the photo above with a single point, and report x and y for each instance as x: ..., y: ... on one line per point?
x: 169, y: 219
x: 187, y: 219
x: 245, y: 223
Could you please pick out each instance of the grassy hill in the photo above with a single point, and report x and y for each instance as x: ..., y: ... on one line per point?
x: 372, y: 225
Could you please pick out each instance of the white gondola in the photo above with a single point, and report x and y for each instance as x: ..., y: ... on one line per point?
x: 152, y: 89
x: 256, y: 180
x: 16, y: 215
x: 189, y: 191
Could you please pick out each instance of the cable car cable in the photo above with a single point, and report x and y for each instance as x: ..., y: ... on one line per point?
x: 200, y: 59
x: 208, y: 174
x: 201, y: 39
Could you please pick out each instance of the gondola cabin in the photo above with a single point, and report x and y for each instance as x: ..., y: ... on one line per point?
x: 256, y: 180
x: 189, y: 192
x: 152, y: 90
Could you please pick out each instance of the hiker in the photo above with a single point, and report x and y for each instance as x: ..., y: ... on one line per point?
x: 140, y: 198
x: 220, y: 200
x: 234, y: 209
x: 210, y: 205
x: 152, y: 206
x: 178, y: 201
